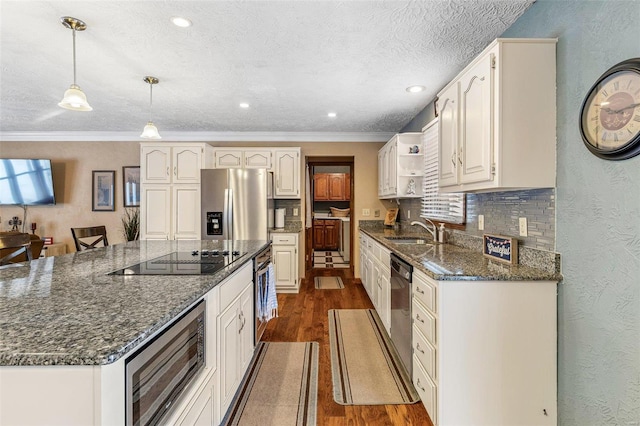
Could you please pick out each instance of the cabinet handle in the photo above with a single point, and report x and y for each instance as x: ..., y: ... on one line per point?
x: 420, y: 386
x: 418, y: 348
x: 460, y: 157
x: 168, y: 170
x: 453, y: 159
x: 419, y: 319
x: 419, y: 290
x: 175, y: 171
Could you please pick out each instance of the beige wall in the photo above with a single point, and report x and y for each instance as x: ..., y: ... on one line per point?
x: 73, y: 162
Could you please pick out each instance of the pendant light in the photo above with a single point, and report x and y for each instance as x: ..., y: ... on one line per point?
x: 150, y: 131
x: 74, y: 98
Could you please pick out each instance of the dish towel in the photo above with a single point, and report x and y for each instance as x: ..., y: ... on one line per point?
x: 272, y: 299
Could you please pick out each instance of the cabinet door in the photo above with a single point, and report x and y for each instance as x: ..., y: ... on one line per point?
x: 187, y: 161
x: 155, y: 164
x: 228, y: 158
x: 318, y: 234
x: 257, y: 159
x: 381, y: 173
x: 246, y: 327
x: 385, y: 297
x: 476, y: 122
x: 371, y: 278
x: 347, y: 187
x: 336, y: 186
x: 321, y: 187
x: 229, y: 322
x: 155, y: 219
x: 331, y: 234
x: 186, y: 212
x: 286, y: 266
x: 448, y: 130
x: 287, y: 173
x: 392, y: 164
x: 201, y: 412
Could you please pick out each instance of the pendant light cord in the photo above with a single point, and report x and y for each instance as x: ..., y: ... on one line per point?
x: 73, y: 30
x: 150, y: 99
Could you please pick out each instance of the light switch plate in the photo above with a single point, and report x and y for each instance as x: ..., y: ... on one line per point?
x: 366, y: 212
x: 295, y: 211
x: 376, y: 213
x: 523, y: 227
x: 481, y: 222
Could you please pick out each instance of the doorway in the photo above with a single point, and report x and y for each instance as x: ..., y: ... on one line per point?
x: 330, y: 238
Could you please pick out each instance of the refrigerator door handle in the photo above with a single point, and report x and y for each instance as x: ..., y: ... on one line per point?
x: 225, y: 215
x: 229, y: 210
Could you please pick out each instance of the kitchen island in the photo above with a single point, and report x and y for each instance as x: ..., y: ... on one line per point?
x: 64, y: 319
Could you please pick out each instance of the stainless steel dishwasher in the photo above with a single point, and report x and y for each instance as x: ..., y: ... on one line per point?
x: 401, y: 273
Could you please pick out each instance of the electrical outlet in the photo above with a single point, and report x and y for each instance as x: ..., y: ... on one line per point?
x: 376, y: 213
x: 408, y: 214
x: 366, y: 212
x: 295, y: 211
x: 523, y: 227
x: 481, y: 222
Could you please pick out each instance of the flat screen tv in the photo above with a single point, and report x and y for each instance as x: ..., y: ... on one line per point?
x: 26, y: 182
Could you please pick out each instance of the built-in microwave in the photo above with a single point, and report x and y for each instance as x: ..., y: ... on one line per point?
x: 159, y: 372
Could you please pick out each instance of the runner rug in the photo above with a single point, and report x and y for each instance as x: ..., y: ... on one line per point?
x: 279, y: 388
x: 328, y: 283
x: 365, y: 367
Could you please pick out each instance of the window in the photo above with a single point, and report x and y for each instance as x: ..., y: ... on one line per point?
x: 437, y: 206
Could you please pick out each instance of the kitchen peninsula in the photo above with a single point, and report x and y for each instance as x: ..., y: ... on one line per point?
x: 68, y: 326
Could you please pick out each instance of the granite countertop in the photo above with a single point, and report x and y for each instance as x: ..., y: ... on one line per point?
x: 290, y: 227
x: 454, y: 263
x: 66, y: 310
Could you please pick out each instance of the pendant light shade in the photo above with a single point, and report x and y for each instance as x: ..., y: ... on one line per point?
x: 74, y: 98
x: 150, y: 130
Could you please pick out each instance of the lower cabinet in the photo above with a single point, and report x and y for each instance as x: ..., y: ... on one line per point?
x: 235, y: 335
x: 202, y: 410
x: 491, y: 344
x: 375, y: 274
x: 284, y: 251
x: 326, y: 234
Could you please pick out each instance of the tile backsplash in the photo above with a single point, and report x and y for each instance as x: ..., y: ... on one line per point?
x: 501, y: 212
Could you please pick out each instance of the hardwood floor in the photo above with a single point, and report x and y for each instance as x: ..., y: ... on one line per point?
x: 304, y: 317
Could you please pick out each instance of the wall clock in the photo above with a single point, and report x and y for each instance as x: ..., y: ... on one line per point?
x: 610, y: 114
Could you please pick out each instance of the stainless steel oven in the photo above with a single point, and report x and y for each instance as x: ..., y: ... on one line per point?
x: 261, y: 267
x: 159, y: 372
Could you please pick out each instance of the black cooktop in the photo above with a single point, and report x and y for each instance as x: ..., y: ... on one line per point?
x: 184, y: 263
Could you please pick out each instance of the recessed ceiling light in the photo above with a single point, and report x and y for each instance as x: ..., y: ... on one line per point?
x: 332, y: 115
x: 181, y: 22
x: 244, y: 105
x: 415, y: 89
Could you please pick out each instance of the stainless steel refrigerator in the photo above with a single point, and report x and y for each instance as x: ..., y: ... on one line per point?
x: 236, y: 204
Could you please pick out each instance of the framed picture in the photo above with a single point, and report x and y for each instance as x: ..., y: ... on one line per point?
x: 131, y: 186
x: 103, y: 190
x: 500, y: 248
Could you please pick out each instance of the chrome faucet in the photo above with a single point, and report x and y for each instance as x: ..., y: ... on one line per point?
x: 433, y: 232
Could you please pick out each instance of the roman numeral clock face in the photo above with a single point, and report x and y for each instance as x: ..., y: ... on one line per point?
x: 610, y: 117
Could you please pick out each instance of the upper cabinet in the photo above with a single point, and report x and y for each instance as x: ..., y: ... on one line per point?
x: 331, y: 187
x: 172, y: 163
x: 287, y: 175
x: 284, y: 162
x: 400, y: 167
x: 498, y: 120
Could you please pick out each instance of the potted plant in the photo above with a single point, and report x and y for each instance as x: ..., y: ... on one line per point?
x: 131, y: 224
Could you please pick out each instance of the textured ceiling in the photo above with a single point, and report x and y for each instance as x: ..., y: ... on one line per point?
x: 292, y: 61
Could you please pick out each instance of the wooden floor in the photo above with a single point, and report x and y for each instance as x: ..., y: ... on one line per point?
x: 303, y: 317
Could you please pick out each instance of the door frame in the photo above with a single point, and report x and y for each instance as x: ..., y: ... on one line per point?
x: 312, y: 161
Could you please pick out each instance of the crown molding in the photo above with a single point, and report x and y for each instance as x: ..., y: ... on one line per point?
x: 198, y: 137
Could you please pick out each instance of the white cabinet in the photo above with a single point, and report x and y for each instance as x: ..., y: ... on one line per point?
x: 172, y: 164
x: 287, y: 166
x: 235, y: 333
x: 170, y: 190
x: 285, y: 262
x: 239, y: 158
x: 375, y: 274
x: 498, y: 120
x: 491, y: 344
x: 400, y: 168
x: 170, y: 212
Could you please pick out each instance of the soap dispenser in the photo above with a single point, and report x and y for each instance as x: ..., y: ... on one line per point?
x: 441, y: 233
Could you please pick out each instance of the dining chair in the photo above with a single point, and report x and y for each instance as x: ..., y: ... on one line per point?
x: 89, y: 237
x: 13, y: 245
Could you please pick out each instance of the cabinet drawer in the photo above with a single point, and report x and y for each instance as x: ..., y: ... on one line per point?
x: 234, y: 285
x: 425, y: 352
x: 425, y: 291
x: 426, y: 389
x: 284, y: 239
x: 424, y: 321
